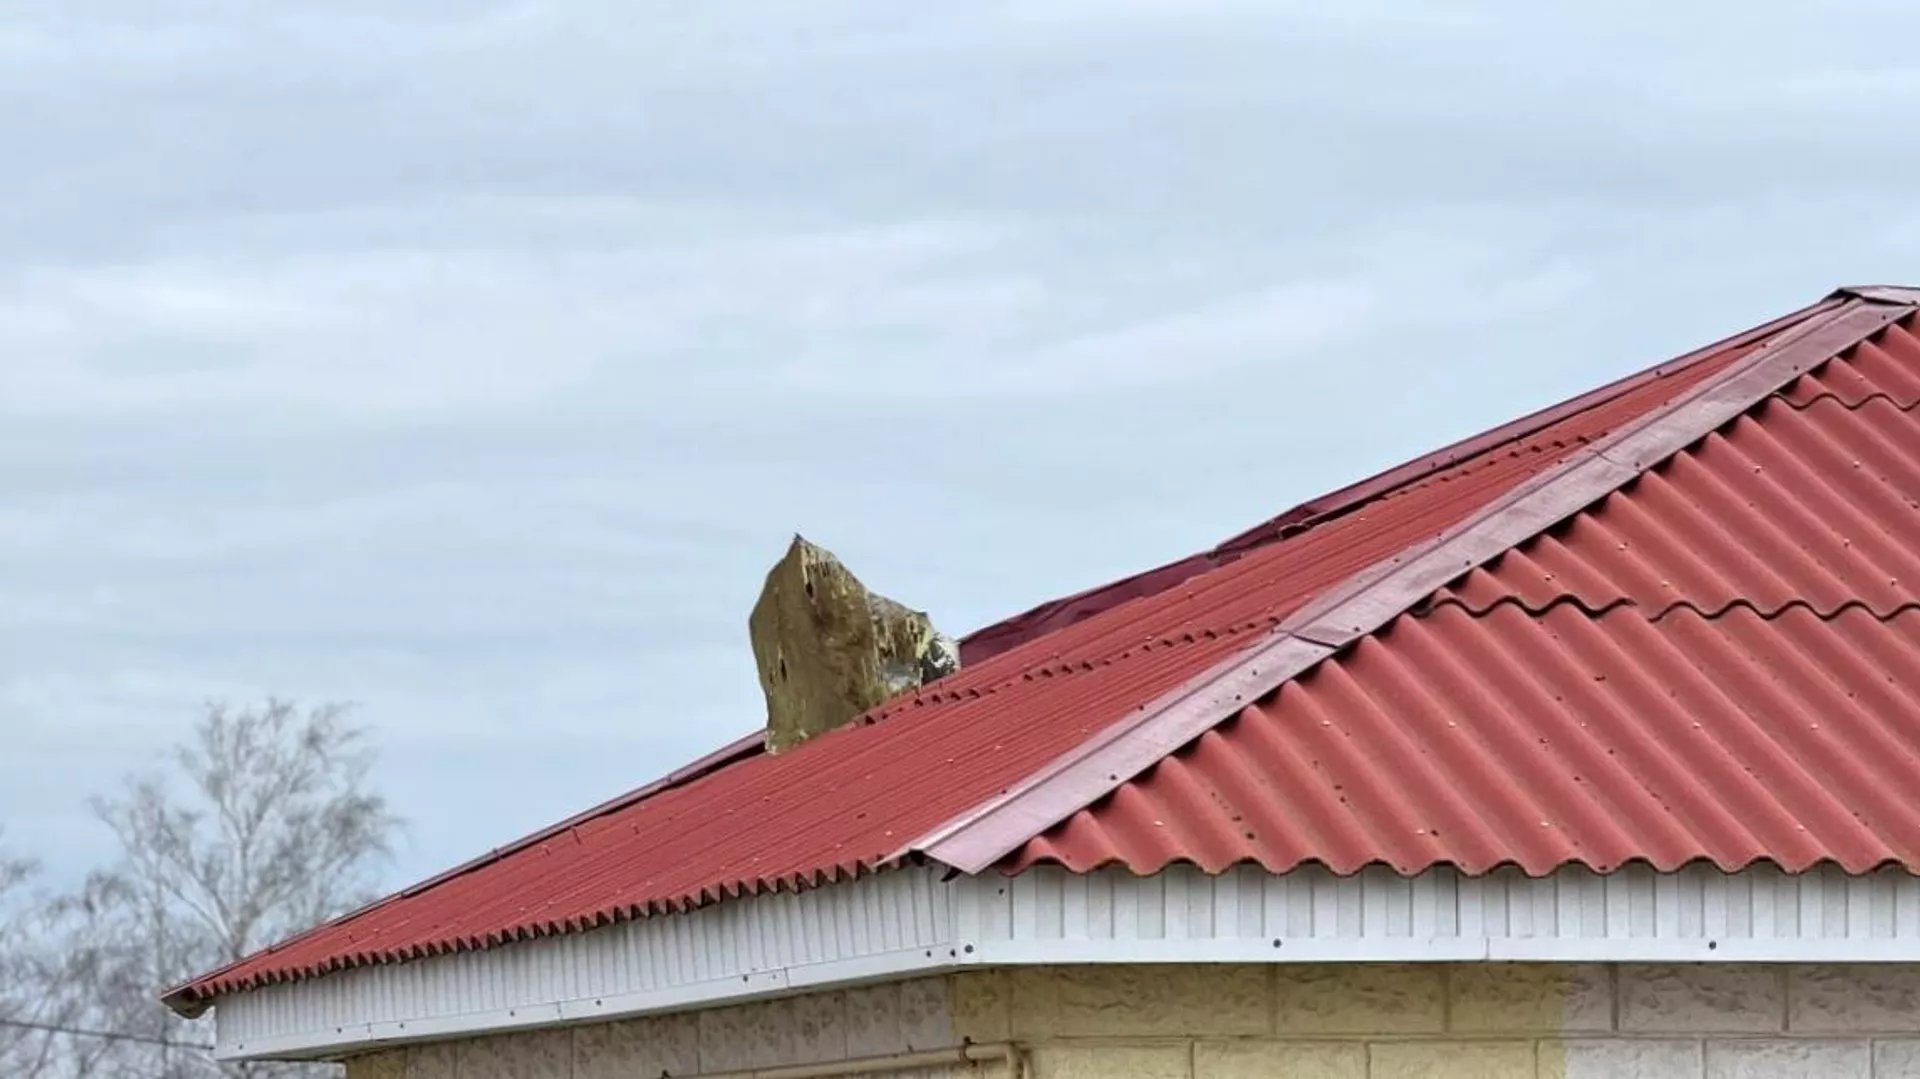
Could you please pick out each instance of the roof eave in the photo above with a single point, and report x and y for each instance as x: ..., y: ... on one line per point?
x: 192, y: 998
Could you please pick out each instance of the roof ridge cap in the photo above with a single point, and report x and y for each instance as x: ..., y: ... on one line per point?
x: 1367, y: 599
x: 1034, y: 623
x: 1893, y: 294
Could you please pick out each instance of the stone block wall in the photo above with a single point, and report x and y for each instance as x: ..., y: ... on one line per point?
x: 1333, y: 1021
x: 871, y: 1021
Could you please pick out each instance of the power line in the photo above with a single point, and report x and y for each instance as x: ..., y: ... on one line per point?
x: 108, y: 1035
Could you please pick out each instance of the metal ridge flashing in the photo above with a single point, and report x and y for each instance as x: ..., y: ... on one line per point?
x: 1064, y: 611
x: 1008, y: 633
x: 1367, y: 600
x: 1894, y: 294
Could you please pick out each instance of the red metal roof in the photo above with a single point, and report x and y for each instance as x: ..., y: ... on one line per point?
x: 1718, y: 661
x: 1071, y: 706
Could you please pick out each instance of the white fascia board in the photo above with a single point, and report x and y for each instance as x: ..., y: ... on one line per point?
x: 911, y: 922
x: 360, y: 1037
x: 890, y: 925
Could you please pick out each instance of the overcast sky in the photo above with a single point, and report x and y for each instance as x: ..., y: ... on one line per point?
x: 472, y: 361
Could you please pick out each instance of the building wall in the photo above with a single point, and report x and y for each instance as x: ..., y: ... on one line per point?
x: 1346, y: 1021
x: 872, y: 1021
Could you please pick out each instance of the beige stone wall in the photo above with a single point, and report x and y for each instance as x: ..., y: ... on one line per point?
x: 872, y: 1021
x: 1353, y: 1021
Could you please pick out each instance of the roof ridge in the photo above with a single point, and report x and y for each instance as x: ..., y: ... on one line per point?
x: 1895, y: 294
x: 1038, y: 621
x: 981, y: 836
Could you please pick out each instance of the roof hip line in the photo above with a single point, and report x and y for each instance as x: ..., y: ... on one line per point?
x: 980, y: 837
x: 989, y: 641
x: 1901, y: 295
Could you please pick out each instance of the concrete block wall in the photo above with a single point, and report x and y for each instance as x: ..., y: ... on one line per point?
x: 1334, y: 1021
x: 871, y: 1021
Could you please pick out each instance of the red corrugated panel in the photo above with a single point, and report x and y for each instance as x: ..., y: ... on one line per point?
x: 852, y: 800
x: 1538, y: 740
x: 1716, y: 662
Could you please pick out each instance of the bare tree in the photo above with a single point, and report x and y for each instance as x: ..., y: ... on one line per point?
x: 38, y: 1008
x: 86, y: 980
x: 263, y: 826
x: 277, y: 830
x: 21, y: 1041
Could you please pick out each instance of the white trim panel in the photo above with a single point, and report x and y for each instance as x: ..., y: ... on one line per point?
x: 909, y: 921
x: 1627, y: 915
x: 872, y: 928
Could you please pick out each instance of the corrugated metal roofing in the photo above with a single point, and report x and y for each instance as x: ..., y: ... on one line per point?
x: 1720, y: 661
x: 863, y: 797
x: 1539, y: 740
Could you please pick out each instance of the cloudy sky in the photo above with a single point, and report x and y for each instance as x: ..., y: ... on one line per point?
x: 471, y: 361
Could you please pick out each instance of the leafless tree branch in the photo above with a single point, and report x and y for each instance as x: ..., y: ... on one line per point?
x: 262, y: 825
